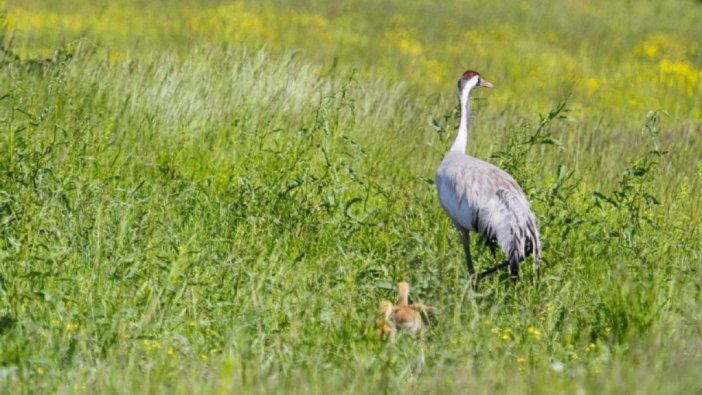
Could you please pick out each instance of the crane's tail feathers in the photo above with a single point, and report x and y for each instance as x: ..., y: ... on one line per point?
x: 533, y: 240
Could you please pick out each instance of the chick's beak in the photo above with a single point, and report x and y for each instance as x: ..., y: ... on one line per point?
x: 486, y: 84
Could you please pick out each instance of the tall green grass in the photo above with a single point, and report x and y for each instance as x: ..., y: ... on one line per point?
x: 227, y: 220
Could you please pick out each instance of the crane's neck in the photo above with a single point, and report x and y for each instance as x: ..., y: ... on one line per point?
x: 461, y: 142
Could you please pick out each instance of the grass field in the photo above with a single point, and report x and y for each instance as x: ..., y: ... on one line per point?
x: 213, y: 197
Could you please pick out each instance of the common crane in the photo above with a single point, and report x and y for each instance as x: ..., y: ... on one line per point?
x: 479, y: 196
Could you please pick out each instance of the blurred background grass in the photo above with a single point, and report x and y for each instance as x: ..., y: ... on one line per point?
x: 612, y: 62
x: 618, y: 58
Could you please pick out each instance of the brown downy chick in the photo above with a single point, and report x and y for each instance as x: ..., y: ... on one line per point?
x: 407, y: 316
x: 385, y: 327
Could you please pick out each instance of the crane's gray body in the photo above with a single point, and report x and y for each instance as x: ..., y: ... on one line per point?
x: 483, y: 198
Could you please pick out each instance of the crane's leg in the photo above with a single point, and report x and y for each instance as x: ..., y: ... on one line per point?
x: 514, y: 269
x: 465, y: 240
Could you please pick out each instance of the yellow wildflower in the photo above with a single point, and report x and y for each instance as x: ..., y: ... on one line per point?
x: 592, y: 85
x: 536, y: 333
x: 680, y: 74
x: 660, y: 45
x: 150, y: 345
x: 405, y: 41
x: 506, y: 335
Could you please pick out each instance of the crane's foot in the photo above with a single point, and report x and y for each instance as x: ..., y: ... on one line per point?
x: 493, y: 269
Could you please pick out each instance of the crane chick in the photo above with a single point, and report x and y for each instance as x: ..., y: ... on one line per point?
x: 409, y: 316
x: 479, y: 196
x: 385, y: 326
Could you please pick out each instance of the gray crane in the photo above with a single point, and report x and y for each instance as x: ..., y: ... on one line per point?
x: 479, y: 196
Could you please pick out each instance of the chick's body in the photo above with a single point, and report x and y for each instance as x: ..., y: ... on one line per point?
x: 407, y: 316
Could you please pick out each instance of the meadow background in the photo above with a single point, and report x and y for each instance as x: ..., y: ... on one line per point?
x: 211, y: 196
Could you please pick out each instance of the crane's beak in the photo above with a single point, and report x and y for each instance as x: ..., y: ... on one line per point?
x: 486, y: 84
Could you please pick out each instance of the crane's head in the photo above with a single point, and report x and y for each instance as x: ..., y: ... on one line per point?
x: 469, y: 80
